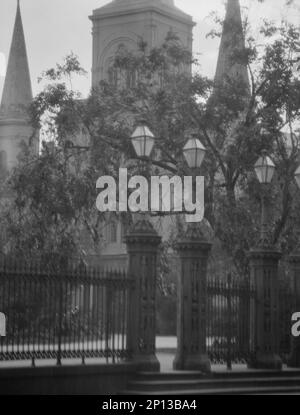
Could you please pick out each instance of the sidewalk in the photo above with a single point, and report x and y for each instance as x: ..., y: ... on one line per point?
x: 166, y: 364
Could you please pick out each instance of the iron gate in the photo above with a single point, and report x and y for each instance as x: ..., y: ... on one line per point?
x: 231, y: 307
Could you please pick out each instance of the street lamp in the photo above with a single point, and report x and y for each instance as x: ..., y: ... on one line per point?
x: 264, y: 169
x: 143, y: 141
x: 193, y: 250
x: 194, y: 153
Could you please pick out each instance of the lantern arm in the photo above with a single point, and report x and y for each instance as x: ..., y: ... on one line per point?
x: 165, y: 152
x: 157, y: 163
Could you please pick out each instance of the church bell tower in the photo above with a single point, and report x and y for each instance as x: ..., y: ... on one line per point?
x: 123, y: 23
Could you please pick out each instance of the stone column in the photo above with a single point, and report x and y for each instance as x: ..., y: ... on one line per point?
x: 294, y: 260
x: 142, y: 248
x: 264, y: 275
x: 193, y: 250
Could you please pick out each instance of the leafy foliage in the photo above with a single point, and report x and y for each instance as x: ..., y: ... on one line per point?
x: 55, y: 193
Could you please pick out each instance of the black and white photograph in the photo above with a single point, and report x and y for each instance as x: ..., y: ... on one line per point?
x: 149, y: 201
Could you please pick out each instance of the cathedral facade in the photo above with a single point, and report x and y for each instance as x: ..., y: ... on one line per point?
x: 125, y: 23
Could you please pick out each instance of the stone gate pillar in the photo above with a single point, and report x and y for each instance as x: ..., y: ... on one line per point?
x: 294, y: 260
x: 142, y: 248
x: 264, y: 275
x: 193, y: 250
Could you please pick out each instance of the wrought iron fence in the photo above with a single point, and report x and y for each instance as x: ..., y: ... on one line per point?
x: 286, y: 306
x: 83, y: 313
x: 231, y: 307
x: 75, y: 313
x: 230, y: 304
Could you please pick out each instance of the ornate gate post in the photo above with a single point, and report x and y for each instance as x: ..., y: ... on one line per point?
x: 142, y: 247
x: 264, y: 275
x: 193, y: 250
x: 294, y: 260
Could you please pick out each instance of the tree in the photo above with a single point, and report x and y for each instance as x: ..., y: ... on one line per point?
x: 235, y: 124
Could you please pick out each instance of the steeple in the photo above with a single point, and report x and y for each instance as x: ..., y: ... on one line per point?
x: 17, y: 92
x: 232, y: 44
x: 15, y: 127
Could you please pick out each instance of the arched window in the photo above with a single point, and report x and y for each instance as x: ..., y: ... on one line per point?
x: 113, y: 75
x: 118, y: 76
x: 3, y: 161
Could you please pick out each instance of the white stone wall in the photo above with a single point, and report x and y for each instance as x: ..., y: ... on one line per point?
x: 12, y: 134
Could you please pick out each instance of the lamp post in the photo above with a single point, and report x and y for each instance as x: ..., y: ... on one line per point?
x: 264, y: 169
x: 142, y: 246
x: 294, y: 262
x: 194, y: 153
x: 264, y: 261
x: 193, y: 250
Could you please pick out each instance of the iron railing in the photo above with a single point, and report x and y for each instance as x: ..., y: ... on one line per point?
x: 75, y: 313
x: 286, y: 304
x: 230, y: 308
x: 82, y: 313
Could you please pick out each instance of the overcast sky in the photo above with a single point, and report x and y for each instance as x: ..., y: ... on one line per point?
x: 53, y: 28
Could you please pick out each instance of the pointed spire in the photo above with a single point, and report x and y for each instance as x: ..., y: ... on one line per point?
x: 232, y: 42
x: 17, y: 92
